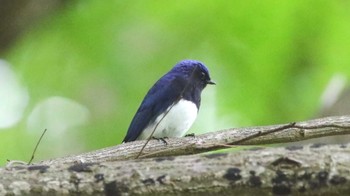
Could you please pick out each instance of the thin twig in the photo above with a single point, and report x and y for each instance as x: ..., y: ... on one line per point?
x: 320, y: 126
x: 253, y: 136
x: 259, y: 133
x: 36, y: 146
x: 284, y: 127
x: 232, y: 144
x: 166, y: 113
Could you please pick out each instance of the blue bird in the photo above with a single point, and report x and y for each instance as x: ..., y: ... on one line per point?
x: 172, y: 104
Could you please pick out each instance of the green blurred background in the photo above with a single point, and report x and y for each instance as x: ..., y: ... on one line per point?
x: 81, y: 70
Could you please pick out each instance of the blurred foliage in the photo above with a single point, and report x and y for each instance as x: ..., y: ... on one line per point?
x: 271, y: 61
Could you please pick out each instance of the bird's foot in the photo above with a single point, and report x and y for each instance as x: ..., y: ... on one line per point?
x: 190, y: 135
x: 161, y: 139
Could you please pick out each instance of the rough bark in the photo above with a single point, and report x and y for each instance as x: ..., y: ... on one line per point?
x: 310, y: 170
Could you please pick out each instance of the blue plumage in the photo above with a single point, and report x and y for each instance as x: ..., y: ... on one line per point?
x: 174, y: 93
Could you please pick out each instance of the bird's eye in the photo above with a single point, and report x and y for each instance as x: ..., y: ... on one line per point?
x: 202, y: 75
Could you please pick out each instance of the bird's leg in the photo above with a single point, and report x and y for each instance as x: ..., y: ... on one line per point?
x: 161, y: 139
x: 190, y: 135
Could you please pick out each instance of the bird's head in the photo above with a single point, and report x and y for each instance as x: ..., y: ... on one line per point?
x: 195, y: 71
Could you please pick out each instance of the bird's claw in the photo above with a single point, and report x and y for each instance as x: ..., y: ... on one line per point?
x: 190, y: 135
x: 161, y: 139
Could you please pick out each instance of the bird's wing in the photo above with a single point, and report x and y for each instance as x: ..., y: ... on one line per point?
x: 163, y: 93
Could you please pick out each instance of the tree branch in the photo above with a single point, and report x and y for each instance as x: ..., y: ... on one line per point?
x: 309, y: 170
x: 291, y: 132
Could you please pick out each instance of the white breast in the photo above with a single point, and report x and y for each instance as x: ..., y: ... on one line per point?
x: 176, y: 122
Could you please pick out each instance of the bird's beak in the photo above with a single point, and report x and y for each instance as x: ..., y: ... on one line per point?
x: 211, y: 82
